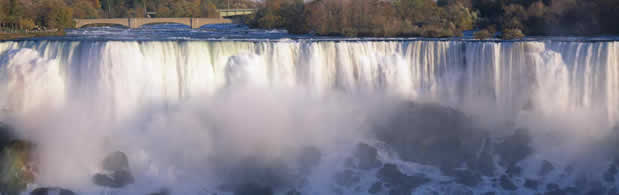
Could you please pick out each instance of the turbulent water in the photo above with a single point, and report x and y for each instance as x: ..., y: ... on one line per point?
x: 287, y: 116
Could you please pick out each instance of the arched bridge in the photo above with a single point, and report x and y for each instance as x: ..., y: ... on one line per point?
x: 193, y: 22
x: 138, y: 22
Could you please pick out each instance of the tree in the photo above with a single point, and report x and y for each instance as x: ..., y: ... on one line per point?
x: 208, y: 9
x: 84, y: 9
x: 60, y: 17
x: 26, y: 24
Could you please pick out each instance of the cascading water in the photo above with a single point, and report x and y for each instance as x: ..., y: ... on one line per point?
x: 303, y: 88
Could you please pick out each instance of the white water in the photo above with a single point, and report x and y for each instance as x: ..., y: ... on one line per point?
x: 556, y: 76
x: 541, y: 83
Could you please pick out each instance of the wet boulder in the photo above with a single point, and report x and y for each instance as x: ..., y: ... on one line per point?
x: 514, y: 148
x: 507, y: 184
x: 308, y: 159
x: 18, y: 166
x: 52, y: 191
x: 117, y: 173
x: 531, y: 184
x: 430, y: 134
x: 253, y: 189
x: 610, y: 174
x: 547, y: 167
x: 347, y: 178
x: 398, y: 182
x: 163, y: 191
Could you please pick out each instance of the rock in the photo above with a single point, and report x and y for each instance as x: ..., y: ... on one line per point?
x: 18, y: 167
x: 552, y: 187
x: 6, y: 135
x: 309, y: 158
x: 489, y: 193
x: 347, y: 178
x: 546, y: 168
x: 507, y: 183
x: 368, y: 157
x: 400, y: 191
x: 253, y: 189
x: 596, y: 188
x: 116, y: 161
x: 117, y: 179
x: 466, y: 177
x: 376, y: 188
x: 531, y: 184
x: 515, y: 148
x: 513, y: 171
x: 613, y: 191
x: 163, y: 191
x: 484, y: 164
x: 609, y: 175
x: 293, y: 192
x: 431, y: 134
x: 399, y: 182
x: 51, y: 191
x: 118, y: 174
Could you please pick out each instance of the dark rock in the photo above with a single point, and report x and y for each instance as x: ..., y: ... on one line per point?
x: 596, y: 191
x: 484, y: 164
x: 489, y: 193
x: 507, y: 183
x: 51, y: 191
x: 117, y: 161
x: 613, y: 191
x: 552, y: 187
x: 18, y: 166
x: 466, y: 177
x: 368, y: 157
x: 163, y: 191
x: 513, y: 171
x: 431, y: 134
x: 400, y: 191
x: 515, y: 148
x: 609, y: 175
x: 596, y: 188
x: 275, y: 174
x: 546, y: 168
x: 309, y: 158
x: 337, y: 191
x: 347, y: 178
x: 293, y: 192
x: 6, y: 135
x: 376, y: 188
x: 118, y: 174
x: 531, y: 184
x: 399, y: 182
x: 116, y: 179
x: 253, y: 189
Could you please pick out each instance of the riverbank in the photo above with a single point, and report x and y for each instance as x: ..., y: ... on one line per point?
x: 22, y: 35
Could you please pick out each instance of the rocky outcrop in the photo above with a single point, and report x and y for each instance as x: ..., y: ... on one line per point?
x: 431, y: 135
x: 52, y: 191
x: 117, y: 173
x: 398, y: 182
x: 18, y: 166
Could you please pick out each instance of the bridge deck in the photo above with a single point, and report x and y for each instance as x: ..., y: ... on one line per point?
x: 138, y: 22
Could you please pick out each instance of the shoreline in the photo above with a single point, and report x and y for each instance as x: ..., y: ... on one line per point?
x: 24, y: 35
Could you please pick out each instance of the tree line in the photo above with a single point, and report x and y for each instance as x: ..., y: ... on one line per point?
x: 443, y: 18
x: 59, y: 14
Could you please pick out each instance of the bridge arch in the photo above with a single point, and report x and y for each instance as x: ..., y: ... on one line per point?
x: 138, y: 22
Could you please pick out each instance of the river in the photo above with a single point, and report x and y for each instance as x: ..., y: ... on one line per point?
x: 229, y: 110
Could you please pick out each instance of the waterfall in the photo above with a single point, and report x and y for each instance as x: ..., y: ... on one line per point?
x: 547, y: 76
